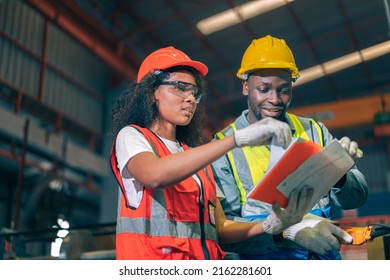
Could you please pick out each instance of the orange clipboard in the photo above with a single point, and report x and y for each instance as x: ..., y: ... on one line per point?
x: 298, y: 152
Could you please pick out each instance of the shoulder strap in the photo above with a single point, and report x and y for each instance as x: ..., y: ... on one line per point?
x: 240, y: 186
x: 114, y: 161
x: 300, y: 130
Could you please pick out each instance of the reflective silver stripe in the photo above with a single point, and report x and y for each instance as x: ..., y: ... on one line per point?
x: 240, y: 163
x: 164, y: 227
x: 242, y: 167
x: 159, y: 205
x: 160, y: 225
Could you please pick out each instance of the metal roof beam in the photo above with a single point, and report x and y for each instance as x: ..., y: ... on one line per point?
x: 65, y: 22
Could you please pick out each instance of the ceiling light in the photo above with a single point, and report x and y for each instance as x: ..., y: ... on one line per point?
x: 236, y: 15
x: 343, y: 62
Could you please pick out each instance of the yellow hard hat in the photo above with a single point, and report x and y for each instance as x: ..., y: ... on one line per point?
x: 267, y: 52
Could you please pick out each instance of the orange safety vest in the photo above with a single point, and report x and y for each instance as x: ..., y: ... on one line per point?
x: 175, y: 223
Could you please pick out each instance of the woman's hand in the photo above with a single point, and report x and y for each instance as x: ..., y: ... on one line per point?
x: 262, y: 132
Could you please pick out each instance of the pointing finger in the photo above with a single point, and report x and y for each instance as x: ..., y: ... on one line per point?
x: 343, y: 235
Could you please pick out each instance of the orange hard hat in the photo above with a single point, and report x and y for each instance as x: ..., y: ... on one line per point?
x: 168, y: 57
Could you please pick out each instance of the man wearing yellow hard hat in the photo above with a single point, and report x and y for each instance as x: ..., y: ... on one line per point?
x: 267, y: 72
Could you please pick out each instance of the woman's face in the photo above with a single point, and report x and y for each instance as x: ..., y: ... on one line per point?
x: 175, y: 101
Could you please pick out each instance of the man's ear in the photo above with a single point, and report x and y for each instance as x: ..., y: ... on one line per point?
x: 245, y: 88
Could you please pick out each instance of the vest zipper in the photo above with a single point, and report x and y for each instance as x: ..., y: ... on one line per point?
x: 201, y: 220
x: 311, y: 130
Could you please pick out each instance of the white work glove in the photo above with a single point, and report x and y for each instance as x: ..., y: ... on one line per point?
x: 351, y: 147
x: 297, y: 207
x: 262, y: 132
x: 317, y: 234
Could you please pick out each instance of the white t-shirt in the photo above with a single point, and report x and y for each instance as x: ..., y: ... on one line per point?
x: 129, y: 143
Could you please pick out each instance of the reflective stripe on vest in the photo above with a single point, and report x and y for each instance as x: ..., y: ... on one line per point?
x: 256, y: 158
x: 163, y: 228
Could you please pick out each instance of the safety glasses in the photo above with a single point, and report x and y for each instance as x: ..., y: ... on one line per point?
x: 183, y: 89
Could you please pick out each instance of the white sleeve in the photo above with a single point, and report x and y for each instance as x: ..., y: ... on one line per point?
x: 130, y: 142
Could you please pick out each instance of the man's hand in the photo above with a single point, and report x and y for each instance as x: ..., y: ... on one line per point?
x: 297, y: 207
x: 317, y: 234
x: 351, y: 147
x: 262, y: 132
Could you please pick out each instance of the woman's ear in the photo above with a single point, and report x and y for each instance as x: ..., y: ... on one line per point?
x: 155, y: 96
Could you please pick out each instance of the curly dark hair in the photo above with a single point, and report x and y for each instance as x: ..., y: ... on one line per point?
x: 137, y: 106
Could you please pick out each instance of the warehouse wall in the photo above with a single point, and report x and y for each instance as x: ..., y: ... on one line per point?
x: 55, y: 85
x: 74, y: 78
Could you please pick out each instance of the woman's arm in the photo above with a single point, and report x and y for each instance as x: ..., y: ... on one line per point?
x: 230, y: 231
x: 156, y: 172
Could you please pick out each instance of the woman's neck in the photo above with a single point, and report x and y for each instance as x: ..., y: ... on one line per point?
x: 164, y: 129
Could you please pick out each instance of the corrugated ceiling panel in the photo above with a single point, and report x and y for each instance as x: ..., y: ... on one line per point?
x: 19, y: 69
x: 22, y: 23
x: 72, y: 102
x: 76, y: 61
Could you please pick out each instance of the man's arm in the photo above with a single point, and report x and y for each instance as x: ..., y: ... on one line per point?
x: 352, y: 190
x: 353, y: 193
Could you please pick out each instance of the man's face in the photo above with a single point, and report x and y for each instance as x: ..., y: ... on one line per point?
x: 269, y: 93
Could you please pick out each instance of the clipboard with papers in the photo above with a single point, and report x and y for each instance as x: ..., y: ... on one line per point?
x: 303, y: 163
